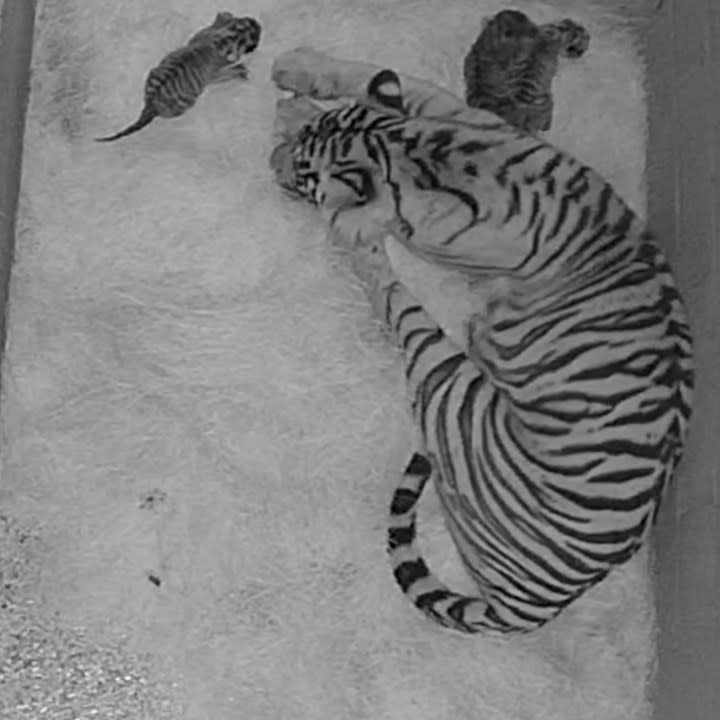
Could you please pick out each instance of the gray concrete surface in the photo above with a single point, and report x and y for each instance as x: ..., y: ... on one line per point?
x: 16, y: 33
x: 683, y: 155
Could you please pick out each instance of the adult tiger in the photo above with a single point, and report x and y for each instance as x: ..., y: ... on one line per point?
x: 552, y: 436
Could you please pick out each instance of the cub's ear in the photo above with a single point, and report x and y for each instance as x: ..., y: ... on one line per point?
x: 384, y: 89
x: 221, y: 18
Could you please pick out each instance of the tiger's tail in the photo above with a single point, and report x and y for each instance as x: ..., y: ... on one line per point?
x: 422, y: 587
x: 146, y: 117
x: 429, y: 357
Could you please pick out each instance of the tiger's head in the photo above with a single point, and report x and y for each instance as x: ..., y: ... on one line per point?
x: 304, y: 131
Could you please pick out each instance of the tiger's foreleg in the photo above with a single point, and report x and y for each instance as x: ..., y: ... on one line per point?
x: 305, y: 71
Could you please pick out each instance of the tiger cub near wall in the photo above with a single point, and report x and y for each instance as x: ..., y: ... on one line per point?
x: 510, y: 67
x: 553, y: 435
x: 212, y: 55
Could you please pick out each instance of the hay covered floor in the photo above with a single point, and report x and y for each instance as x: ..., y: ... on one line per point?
x: 201, y: 427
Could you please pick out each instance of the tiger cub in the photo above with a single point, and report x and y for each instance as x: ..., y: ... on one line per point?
x: 511, y: 65
x: 212, y: 55
x: 552, y: 436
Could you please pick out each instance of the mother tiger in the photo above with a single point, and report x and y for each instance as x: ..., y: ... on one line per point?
x: 552, y: 437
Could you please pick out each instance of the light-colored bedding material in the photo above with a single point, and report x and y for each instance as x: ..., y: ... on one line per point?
x: 201, y: 427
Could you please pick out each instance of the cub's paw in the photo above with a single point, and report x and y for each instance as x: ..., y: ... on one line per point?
x: 234, y: 71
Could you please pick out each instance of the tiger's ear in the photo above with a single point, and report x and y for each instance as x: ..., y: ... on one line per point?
x: 384, y: 88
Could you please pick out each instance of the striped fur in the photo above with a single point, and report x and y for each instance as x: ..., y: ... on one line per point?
x: 552, y: 436
x: 550, y: 463
x: 511, y: 65
x: 212, y: 55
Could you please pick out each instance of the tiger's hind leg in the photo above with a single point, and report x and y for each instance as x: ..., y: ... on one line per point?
x: 434, y: 366
x: 503, y: 300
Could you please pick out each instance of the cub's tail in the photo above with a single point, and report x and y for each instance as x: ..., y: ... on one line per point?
x: 146, y: 117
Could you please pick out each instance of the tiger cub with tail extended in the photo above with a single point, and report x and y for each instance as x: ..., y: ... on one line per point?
x: 212, y: 55
x: 511, y: 65
x: 552, y: 436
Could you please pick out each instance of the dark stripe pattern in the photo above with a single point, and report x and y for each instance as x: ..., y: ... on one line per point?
x: 551, y: 461
x: 551, y: 438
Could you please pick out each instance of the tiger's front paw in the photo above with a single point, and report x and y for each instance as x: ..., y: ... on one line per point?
x: 373, y: 266
x: 305, y: 71
x: 370, y: 262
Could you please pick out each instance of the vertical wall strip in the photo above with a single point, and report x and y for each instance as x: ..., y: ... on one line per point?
x: 683, y: 160
x: 16, y: 38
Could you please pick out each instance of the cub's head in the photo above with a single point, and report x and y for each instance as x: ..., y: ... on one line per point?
x: 308, y: 135
x: 508, y: 27
x: 235, y: 36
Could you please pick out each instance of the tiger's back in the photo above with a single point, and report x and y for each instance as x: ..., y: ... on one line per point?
x: 552, y: 435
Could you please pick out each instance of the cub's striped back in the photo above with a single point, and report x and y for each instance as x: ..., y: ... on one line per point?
x: 553, y: 434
